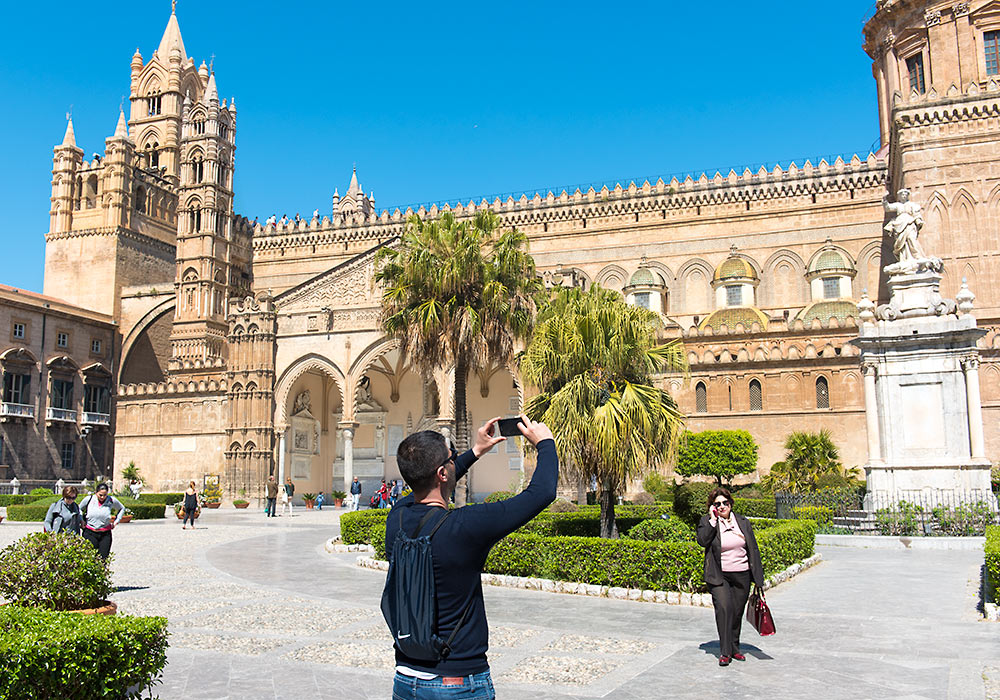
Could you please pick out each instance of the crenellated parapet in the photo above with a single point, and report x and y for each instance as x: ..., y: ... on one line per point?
x: 174, y: 386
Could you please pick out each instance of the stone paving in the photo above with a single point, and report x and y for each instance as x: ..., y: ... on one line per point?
x: 258, y: 609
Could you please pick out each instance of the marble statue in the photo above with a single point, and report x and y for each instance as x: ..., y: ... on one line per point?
x: 303, y: 402
x: 905, y: 228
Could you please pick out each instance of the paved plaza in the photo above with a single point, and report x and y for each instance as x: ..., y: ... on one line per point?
x: 258, y: 609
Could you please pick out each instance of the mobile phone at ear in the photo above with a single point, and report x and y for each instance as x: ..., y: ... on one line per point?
x: 508, y: 427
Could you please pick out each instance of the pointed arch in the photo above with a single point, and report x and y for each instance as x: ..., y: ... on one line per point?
x: 306, y: 363
x: 694, y: 291
x: 935, y: 235
x: 783, y: 282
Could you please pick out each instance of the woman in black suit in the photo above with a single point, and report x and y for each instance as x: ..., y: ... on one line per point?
x: 732, y: 561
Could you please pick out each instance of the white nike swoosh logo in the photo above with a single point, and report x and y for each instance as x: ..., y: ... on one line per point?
x: 403, y: 636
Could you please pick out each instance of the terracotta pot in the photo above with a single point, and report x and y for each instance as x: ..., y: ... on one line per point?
x: 338, y: 503
x: 310, y: 504
x: 242, y: 505
x: 108, y: 608
x: 213, y: 505
x: 127, y: 518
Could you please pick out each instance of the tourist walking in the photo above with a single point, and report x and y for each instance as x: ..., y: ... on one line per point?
x: 355, y: 494
x: 190, y: 505
x: 271, y: 491
x: 460, y: 541
x: 732, y: 562
x: 64, y: 514
x: 383, y: 495
x: 98, y: 520
x: 286, y: 500
x: 395, y: 491
x: 135, y: 488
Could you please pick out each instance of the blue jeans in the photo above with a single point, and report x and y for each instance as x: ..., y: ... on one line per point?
x: 475, y: 687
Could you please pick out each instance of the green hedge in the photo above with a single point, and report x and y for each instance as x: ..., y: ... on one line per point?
x: 167, y: 498
x: 821, y: 514
x: 691, y: 501
x: 993, y: 559
x: 755, y: 507
x: 357, y: 527
x: 78, y: 657
x: 785, y: 543
x: 8, y: 499
x: 586, y: 522
x: 145, y: 511
x: 35, y: 511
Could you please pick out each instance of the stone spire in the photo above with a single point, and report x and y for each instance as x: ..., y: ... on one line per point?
x: 354, y: 187
x: 211, y: 91
x: 70, y: 138
x: 171, y: 36
x: 121, y: 130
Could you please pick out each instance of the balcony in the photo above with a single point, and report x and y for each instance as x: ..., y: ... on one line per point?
x: 96, y: 418
x: 16, y: 410
x: 60, y: 415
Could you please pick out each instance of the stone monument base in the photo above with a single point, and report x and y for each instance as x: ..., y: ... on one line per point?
x: 930, y: 485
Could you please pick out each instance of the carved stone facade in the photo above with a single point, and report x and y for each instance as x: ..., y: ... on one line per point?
x: 758, y: 272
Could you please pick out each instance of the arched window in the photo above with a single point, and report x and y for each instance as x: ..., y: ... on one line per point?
x: 199, y: 126
x: 153, y: 154
x: 139, y: 200
x: 822, y: 393
x: 90, y: 193
x: 756, y: 399
x: 199, y: 169
x: 700, y: 398
x: 153, y: 103
x: 196, y: 219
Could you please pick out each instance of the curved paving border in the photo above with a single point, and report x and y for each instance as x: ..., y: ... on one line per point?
x: 700, y: 600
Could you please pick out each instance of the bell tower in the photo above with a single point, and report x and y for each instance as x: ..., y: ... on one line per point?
x: 936, y: 65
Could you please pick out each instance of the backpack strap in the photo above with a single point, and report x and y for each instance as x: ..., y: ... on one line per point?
x: 461, y: 621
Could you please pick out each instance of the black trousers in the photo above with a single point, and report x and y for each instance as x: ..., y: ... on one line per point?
x: 101, y: 541
x: 730, y: 601
x: 269, y: 508
x: 189, y: 515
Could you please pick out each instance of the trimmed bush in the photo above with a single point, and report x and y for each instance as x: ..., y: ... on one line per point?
x: 56, y: 571
x: 561, y: 505
x: 993, y: 559
x: 755, y: 507
x: 785, y: 543
x: 378, y: 540
x: 356, y: 527
x: 586, y: 521
x: 719, y: 453
x: 9, y: 499
x: 41, y: 492
x: 498, y: 496
x: 691, y: 501
x: 672, y: 529
x: 33, y: 511
x: 821, y: 514
x: 47, y: 654
x: 167, y: 498
x: 144, y: 511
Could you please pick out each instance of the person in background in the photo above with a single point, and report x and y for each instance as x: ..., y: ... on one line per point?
x: 355, y: 494
x: 271, y: 491
x: 98, y: 520
x: 732, y: 561
x: 383, y: 495
x: 190, y: 505
x: 136, y: 488
x: 289, y: 493
x: 64, y: 514
x: 319, y: 501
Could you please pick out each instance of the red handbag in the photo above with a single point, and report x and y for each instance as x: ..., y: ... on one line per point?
x: 758, y: 614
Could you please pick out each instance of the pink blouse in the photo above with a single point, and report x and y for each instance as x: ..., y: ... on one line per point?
x: 734, y: 546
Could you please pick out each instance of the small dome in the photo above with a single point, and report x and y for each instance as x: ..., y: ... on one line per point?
x: 645, y: 277
x: 825, y: 310
x: 830, y: 259
x: 735, y: 267
x: 747, y: 315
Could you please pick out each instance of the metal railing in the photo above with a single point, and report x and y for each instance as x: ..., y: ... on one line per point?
x: 96, y: 418
x: 60, y: 414
x: 17, y: 410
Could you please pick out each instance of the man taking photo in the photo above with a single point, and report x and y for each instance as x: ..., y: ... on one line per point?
x: 460, y: 542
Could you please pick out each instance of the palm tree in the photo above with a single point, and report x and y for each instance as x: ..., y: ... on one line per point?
x: 808, y: 457
x: 592, y: 356
x: 458, y: 294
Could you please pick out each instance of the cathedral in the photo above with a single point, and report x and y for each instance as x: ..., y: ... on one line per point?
x: 248, y: 348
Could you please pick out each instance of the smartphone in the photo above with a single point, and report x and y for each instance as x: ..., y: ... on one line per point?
x: 508, y: 427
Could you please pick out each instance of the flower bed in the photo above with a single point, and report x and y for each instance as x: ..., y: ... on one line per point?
x: 46, y: 654
x: 993, y: 559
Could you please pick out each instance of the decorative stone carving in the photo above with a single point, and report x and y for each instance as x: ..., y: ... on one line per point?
x: 303, y: 403
x: 932, y: 17
x: 961, y: 9
x: 866, y: 309
x: 889, y: 39
x: 905, y: 227
x: 965, y: 297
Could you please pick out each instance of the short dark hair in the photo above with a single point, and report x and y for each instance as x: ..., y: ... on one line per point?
x: 720, y: 491
x: 419, y: 457
x: 70, y: 491
x: 101, y: 487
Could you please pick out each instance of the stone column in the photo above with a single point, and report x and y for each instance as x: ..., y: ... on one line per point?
x: 971, y: 366
x: 348, y: 429
x: 871, y: 414
x: 281, y: 456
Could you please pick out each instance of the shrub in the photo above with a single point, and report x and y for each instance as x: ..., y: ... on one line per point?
x: 41, y: 492
x: 357, y: 527
x: 784, y: 543
x: 963, y: 520
x: 57, y: 571
x: 144, y: 511
x: 691, y: 501
x: 338, y: 495
x: 241, y: 502
x: 992, y: 549
x: 755, y: 507
x: 498, y: 496
x: 661, y: 488
x: 719, y: 453
x: 33, y: 511
x: 672, y: 529
x: 643, y: 499
x: 308, y: 497
x: 820, y: 514
x: 167, y: 498
x: 586, y: 521
x: 8, y: 499
x: 839, y: 500
x: 904, y: 519
x: 378, y: 540
x: 78, y: 657
x: 561, y: 505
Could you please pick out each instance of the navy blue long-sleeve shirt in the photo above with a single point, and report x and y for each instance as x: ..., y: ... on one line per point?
x: 459, y: 551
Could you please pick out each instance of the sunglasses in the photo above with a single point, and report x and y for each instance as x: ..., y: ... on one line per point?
x: 721, y: 503
x: 451, y: 457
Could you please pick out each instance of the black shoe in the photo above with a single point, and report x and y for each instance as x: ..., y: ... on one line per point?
x: 724, y: 660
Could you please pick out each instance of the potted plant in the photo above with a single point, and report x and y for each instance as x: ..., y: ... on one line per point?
x: 241, y: 503
x: 128, y: 515
x: 338, y: 498
x: 212, y: 495
x: 56, y: 571
x: 179, y: 511
x: 310, y: 499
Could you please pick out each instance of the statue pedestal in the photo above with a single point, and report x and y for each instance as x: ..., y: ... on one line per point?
x: 924, y: 416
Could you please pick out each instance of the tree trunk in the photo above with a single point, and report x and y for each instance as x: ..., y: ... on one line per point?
x: 607, y: 501
x: 462, y: 489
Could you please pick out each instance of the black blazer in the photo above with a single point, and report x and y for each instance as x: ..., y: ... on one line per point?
x: 708, y: 537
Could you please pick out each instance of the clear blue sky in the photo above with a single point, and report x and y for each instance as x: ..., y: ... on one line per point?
x: 443, y: 101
